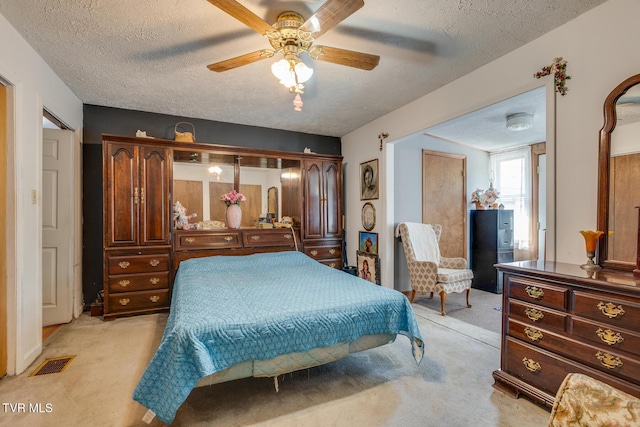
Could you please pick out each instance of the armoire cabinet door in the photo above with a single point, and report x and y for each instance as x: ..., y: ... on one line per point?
x: 313, y: 200
x: 323, y: 200
x: 121, y: 215
x: 332, y: 200
x: 154, y: 204
x: 137, y: 185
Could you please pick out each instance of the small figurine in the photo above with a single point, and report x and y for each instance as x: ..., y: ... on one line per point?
x: 181, y: 219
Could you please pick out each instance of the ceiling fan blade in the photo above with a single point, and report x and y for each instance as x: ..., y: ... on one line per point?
x: 241, y: 60
x: 243, y: 15
x: 329, y: 15
x: 364, y: 61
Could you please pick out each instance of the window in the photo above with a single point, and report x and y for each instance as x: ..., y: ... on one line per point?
x: 512, y: 172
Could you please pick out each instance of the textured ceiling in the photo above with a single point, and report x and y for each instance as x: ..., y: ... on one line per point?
x: 152, y: 55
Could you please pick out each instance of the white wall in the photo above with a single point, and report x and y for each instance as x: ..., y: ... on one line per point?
x: 33, y: 86
x: 601, y: 49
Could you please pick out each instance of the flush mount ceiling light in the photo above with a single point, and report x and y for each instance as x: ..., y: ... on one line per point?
x: 519, y: 121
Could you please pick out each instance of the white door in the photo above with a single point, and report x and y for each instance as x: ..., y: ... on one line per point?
x: 57, y: 191
x: 542, y: 206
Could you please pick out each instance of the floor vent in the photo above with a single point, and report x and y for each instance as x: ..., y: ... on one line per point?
x: 53, y: 366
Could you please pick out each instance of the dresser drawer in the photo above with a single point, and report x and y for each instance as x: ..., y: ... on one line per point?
x: 606, y: 308
x: 324, y: 252
x: 146, y: 300
x: 127, y: 264
x: 538, y: 292
x: 546, y: 371
x: 597, y: 356
x: 535, y: 366
x: 139, y: 282
x: 603, y: 334
x: 186, y: 241
x: 267, y: 237
x: 333, y: 263
x: 537, y: 315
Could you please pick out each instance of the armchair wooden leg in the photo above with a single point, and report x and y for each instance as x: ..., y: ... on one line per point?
x: 468, y: 292
x: 443, y: 298
x: 431, y: 295
x: 413, y: 295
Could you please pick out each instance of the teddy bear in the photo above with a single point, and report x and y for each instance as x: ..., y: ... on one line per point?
x: 181, y: 219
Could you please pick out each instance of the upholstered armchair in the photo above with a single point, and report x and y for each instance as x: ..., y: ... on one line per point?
x: 585, y: 401
x: 429, y: 272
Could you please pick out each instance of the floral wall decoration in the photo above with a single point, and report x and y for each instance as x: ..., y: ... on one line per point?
x: 560, y: 77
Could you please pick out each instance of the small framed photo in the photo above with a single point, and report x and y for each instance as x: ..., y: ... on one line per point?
x: 369, y: 182
x: 369, y: 242
x: 368, y: 266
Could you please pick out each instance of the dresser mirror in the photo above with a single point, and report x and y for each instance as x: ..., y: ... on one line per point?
x: 200, y: 178
x: 618, y: 177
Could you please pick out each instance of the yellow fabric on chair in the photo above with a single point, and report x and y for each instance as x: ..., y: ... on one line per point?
x: 583, y: 401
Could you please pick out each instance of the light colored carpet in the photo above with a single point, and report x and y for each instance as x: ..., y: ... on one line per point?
x: 485, y: 311
x: 379, y: 387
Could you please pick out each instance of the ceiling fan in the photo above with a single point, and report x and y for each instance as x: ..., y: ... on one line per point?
x: 292, y: 35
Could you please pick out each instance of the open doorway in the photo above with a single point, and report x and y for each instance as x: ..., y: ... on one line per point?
x: 512, y: 134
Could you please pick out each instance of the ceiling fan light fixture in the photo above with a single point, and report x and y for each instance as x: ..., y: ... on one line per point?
x: 290, y: 73
x: 519, y: 121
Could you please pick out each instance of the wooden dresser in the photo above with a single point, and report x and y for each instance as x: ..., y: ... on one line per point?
x: 558, y: 318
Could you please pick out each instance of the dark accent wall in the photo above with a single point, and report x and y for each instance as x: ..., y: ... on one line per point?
x: 100, y: 120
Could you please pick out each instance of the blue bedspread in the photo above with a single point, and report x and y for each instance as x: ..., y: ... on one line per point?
x: 227, y: 310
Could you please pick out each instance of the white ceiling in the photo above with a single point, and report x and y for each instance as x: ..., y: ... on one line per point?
x: 152, y: 55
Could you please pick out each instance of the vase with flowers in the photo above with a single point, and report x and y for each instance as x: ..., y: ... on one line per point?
x: 234, y: 214
x: 484, y: 199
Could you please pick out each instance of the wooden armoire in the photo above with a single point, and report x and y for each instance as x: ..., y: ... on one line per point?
x: 142, y: 251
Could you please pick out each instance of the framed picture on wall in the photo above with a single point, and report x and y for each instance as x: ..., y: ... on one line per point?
x: 368, y: 267
x: 369, y: 242
x: 369, y: 180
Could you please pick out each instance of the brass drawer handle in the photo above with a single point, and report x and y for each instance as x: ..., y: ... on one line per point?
x: 332, y: 265
x: 255, y: 237
x: 124, y: 283
x: 314, y: 252
x: 609, y: 337
x: 190, y: 239
x: 608, y: 360
x: 533, y: 333
x: 531, y: 365
x: 534, y: 292
x: 154, y: 262
x: 332, y: 251
x: 610, y: 310
x: 534, y: 314
x: 288, y: 236
x: 154, y: 280
x: 228, y: 238
x: 124, y: 264
x: 154, y: 298
x: 124, y: 301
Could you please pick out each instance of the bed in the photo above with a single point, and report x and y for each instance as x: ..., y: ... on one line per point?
x: 263, y: 315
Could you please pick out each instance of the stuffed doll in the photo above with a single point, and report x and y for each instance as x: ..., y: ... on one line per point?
x: 181, y: 219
